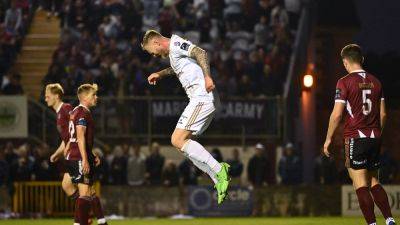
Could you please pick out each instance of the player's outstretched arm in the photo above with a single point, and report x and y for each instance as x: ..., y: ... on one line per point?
x: 334, y: 121
x: 58, y: 153
x: 154, y: 77
x: 202, y: 59
x: 383, y: 114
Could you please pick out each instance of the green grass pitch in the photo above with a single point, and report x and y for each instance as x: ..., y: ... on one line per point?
x: 208, y: 221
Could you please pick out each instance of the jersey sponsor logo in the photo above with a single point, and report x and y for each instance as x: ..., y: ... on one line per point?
x: 185, y: 46
x: 359, y: 162
x: 338, y: 93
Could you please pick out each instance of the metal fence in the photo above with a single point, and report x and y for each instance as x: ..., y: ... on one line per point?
x: 150, y: 118
x: 44, y: 197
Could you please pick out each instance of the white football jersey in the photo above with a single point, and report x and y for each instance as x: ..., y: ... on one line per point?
x: 188, y: 71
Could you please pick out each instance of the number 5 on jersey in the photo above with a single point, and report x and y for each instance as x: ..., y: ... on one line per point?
x: 367, y: 103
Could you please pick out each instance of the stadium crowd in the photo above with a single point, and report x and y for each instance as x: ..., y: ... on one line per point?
x: 15, y: 17
x: 249, y: 43
x: 127, y: 164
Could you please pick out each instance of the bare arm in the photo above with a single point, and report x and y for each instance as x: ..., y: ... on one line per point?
x: 383, y: 114
x: 60, y: 149
x: 154, y: 77
x: 58, y: 153
x: 80, y: 136
x: 201, y: 57
x: 166, y: 72
x: 334, y: 122
x: 334, y: 119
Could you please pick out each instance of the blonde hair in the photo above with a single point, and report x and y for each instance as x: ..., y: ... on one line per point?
x: 87, y: 88
x: 150, y: 34
x: 55, y: 89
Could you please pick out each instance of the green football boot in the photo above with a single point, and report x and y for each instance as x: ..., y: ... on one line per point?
x: 223, y: 182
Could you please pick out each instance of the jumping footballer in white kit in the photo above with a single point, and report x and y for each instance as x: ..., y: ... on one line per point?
x: 190, y: 64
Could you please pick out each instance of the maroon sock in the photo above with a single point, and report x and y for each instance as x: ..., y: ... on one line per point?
x: 98, y: 210
x: 83, y: 209
x: 381, y: 200
x: 76, y: 212
x: 366, y: 204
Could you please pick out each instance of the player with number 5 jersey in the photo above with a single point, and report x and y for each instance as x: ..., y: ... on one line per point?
x: 359, y: 98
x: 362, y: 94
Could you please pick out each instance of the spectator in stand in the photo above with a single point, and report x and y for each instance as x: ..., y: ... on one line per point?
x: 279, y: 16
x: 4, y: 169
x: 262, y: 32
x: 22, y: 168
x: 154, y: 165
x: 325, y: 171
x: 188, y: 173
x: 290, y: 166
x: 43, y: 170
x: 236, y: 164
x: 216, y: 153
x: 257, y: 174
x: 389, y: 168
x: 118, y: 166
x: 258, y: 167
x: 10, y: 153
x: 13, y: 20
x: 170, y: 175
x: 4, y: 176
x: 102, y: 170
x: 14, y: 87
x: 53, y: 7
x: 136, y: 166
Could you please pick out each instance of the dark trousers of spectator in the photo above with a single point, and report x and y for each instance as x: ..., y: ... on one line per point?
x: 52, y: 5
x: 293, y: 20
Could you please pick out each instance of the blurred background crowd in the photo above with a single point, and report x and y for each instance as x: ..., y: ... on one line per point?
x: 249, y: 43
x: 129, y: 164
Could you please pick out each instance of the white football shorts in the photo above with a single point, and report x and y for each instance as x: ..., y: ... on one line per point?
x: 197, y: 116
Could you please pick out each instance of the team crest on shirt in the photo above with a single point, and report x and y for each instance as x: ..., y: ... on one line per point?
x: 338, y: 93
x: 177, y: 43
x: 185, y: 46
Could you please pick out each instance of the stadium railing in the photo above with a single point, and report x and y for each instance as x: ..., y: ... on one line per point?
x: 44, y: 198
x: 42, y: 124
x: 154, y: 118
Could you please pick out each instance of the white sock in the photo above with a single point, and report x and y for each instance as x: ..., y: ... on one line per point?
x: 101, y: 221
x: 205, y: 168
x: 372, y: 224
x: 197, y: 152
x: 389, y: 219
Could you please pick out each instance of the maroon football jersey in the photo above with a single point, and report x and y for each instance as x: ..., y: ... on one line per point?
x: 63, y: 120
x: 80, y: 116
x: 362, y: 93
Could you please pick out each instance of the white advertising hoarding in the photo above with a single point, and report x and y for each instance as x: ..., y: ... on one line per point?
x: 13, y: 117
x: 350, y: 205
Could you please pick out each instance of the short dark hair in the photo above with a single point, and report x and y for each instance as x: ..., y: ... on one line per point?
x: 352, y: 53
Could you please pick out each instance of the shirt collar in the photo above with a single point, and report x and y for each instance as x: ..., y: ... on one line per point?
x: 357, y: 71
x: 85, y: 107
x: 59, y: 107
